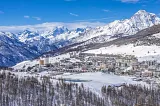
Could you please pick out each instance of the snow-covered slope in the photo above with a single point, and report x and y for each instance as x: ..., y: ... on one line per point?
x: 30, y: 63
x: 156, y: 35
x: 142, y: 52
x: 145, y: 45
x: 130, y: 49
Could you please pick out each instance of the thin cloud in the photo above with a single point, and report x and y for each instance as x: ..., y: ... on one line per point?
x: 69, y: 0
x: 129, y: 1
x: 95, y: 19
x: 105, y: 10
x: 76, y: 15
x: 51, y: 25
x: 138, y: 1
x: 37, y: 18
x: 1, y: 12
x: 26, y: 16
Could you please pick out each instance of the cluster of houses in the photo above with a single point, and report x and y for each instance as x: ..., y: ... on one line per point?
x: 149, y: 68
x: 118, y: 64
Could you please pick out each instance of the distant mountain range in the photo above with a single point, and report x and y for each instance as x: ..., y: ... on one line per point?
x: 17, y: 47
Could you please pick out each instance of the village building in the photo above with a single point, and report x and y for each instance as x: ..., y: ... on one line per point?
x: 147, y: 73
x: 156, y: 73
x: 44, y: 61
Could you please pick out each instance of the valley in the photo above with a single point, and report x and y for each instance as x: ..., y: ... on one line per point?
x: 57, y: 38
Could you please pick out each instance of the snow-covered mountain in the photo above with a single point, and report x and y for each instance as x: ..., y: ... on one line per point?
x: 62, y: 36
x: 13, y: 51
x: 26, y: 35
x: 49, y: 39
x: 137, y: 22
x: 17, y: 47
x: 28, y: 44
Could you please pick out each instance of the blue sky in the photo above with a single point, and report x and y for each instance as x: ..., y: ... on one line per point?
x: 30, y: 12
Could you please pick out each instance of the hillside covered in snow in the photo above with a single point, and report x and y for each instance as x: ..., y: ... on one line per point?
x: 144, y: 45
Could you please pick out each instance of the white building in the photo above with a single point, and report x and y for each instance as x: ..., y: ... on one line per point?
x: 46, y: 60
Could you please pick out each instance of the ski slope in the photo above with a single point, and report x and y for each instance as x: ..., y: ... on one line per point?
x: 141, y: 52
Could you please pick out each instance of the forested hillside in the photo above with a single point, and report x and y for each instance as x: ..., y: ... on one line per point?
x: 30, y: 91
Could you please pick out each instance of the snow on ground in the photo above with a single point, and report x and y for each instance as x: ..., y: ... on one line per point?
x: 58, y: 58
x: 139, y: 51
x: 73, y: 60
x: 92, y: 80
x: 156, y: 35
x: 34, y: 62
x: 96, y: 80
x: 62, y: 57
x: 51, y: 60
x: 26, y: 64
x: 154, y: 57
x: 29, y: 74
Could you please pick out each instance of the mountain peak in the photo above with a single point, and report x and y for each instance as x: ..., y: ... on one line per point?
x: 24, y: 32
x: 142, y: 12
x: 144, y: 19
